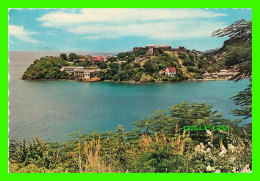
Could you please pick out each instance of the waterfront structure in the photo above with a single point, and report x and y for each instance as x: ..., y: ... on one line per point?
x: 85, y: 73
x: 221, y: 74
x: 81, y: 72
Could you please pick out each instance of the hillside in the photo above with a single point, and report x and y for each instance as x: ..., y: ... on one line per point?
x: 46, y: 68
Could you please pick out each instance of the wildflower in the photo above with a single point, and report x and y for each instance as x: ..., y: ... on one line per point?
x: 208, y: 150
x: 232, y: 159
x: 210, y: 144
x: 246, y: 169
x: 200, y: 148
x: 209, y: 168
x: 209, y: 133
x: 217, y: 171
x: 231, y: 148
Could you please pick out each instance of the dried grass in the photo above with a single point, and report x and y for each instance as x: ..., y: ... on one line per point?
x: 177, y: 142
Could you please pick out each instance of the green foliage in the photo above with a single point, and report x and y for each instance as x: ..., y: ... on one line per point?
x: 196, y: 70
x: 239, y: 47
x: 188, y: 61
x: 216, y: 67
x: 38, y: 153
x: 150, y: 68
x: 84, y: 64
x: 137, y: 65
x: 146, y: 78
x: 73, y: 56
x: 130, y: 56
x: 63, y: 56
x: 102, y: 65
x: 46, y: 68
x: 244, y: 100
x: 158, y: 161
x: 184, y: 114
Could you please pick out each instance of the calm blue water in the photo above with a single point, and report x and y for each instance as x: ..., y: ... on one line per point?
x: 55, y: 109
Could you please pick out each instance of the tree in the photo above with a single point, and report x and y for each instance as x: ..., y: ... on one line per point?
x: 239, y: 53
x: 244, y: 100
x: 73, y: 56
x: 150, y: 68
x: 184, y: 114
x: 102, y: 65
x: 112, y: 59
x: 137, y: 65
x: 63, y: 56
x: 84, y: 64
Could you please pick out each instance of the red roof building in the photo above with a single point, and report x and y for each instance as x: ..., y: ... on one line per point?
x: 170, y: 71
x: 100, y: 59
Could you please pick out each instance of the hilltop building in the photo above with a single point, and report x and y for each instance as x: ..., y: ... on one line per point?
x: 154, y: 49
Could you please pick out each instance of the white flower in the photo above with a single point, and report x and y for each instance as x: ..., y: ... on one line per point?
x: 246, y: 169
x: 200, y: 148
x: 217, y: 171
x: 209, y: 133
x: 209, y: 168
x: 207, y: 150
x: 231, y: 148
x: 232, y: 159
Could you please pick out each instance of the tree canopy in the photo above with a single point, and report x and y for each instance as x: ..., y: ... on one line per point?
x: 239, y: 47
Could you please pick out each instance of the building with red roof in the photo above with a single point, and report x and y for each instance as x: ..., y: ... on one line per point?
x: 97, y: 60
x: 170, y: 71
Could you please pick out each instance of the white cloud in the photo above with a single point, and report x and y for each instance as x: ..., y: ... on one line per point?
x: 20, y: 33
x: 159, y: 24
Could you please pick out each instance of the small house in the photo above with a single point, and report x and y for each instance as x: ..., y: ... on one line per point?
x: 170, y: 71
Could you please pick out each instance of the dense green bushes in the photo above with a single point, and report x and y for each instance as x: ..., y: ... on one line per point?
x: 46, y: 68
x: 159, y: 144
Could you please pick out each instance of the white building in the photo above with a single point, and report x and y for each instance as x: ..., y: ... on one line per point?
x: 170, y: 71
x: 86, y: 73
x: 81, y: 72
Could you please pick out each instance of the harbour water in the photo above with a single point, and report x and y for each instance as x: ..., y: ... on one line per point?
x: 55, y: 109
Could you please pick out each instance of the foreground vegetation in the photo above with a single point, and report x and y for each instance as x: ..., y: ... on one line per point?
x: 158, y: 144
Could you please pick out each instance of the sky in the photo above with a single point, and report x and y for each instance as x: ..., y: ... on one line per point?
x: 118, y: 29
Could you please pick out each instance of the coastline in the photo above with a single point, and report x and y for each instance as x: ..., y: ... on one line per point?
x: 127, y: 82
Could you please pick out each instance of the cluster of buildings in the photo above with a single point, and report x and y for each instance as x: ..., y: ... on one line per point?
x: 94, y: 59
x: 169, y: 72
x: 139, y: 59
x: 221, y: 74
x: 81, y: 72
x: 154, y: 49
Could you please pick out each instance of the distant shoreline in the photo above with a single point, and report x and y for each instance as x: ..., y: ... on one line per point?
x: 132, y: 82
